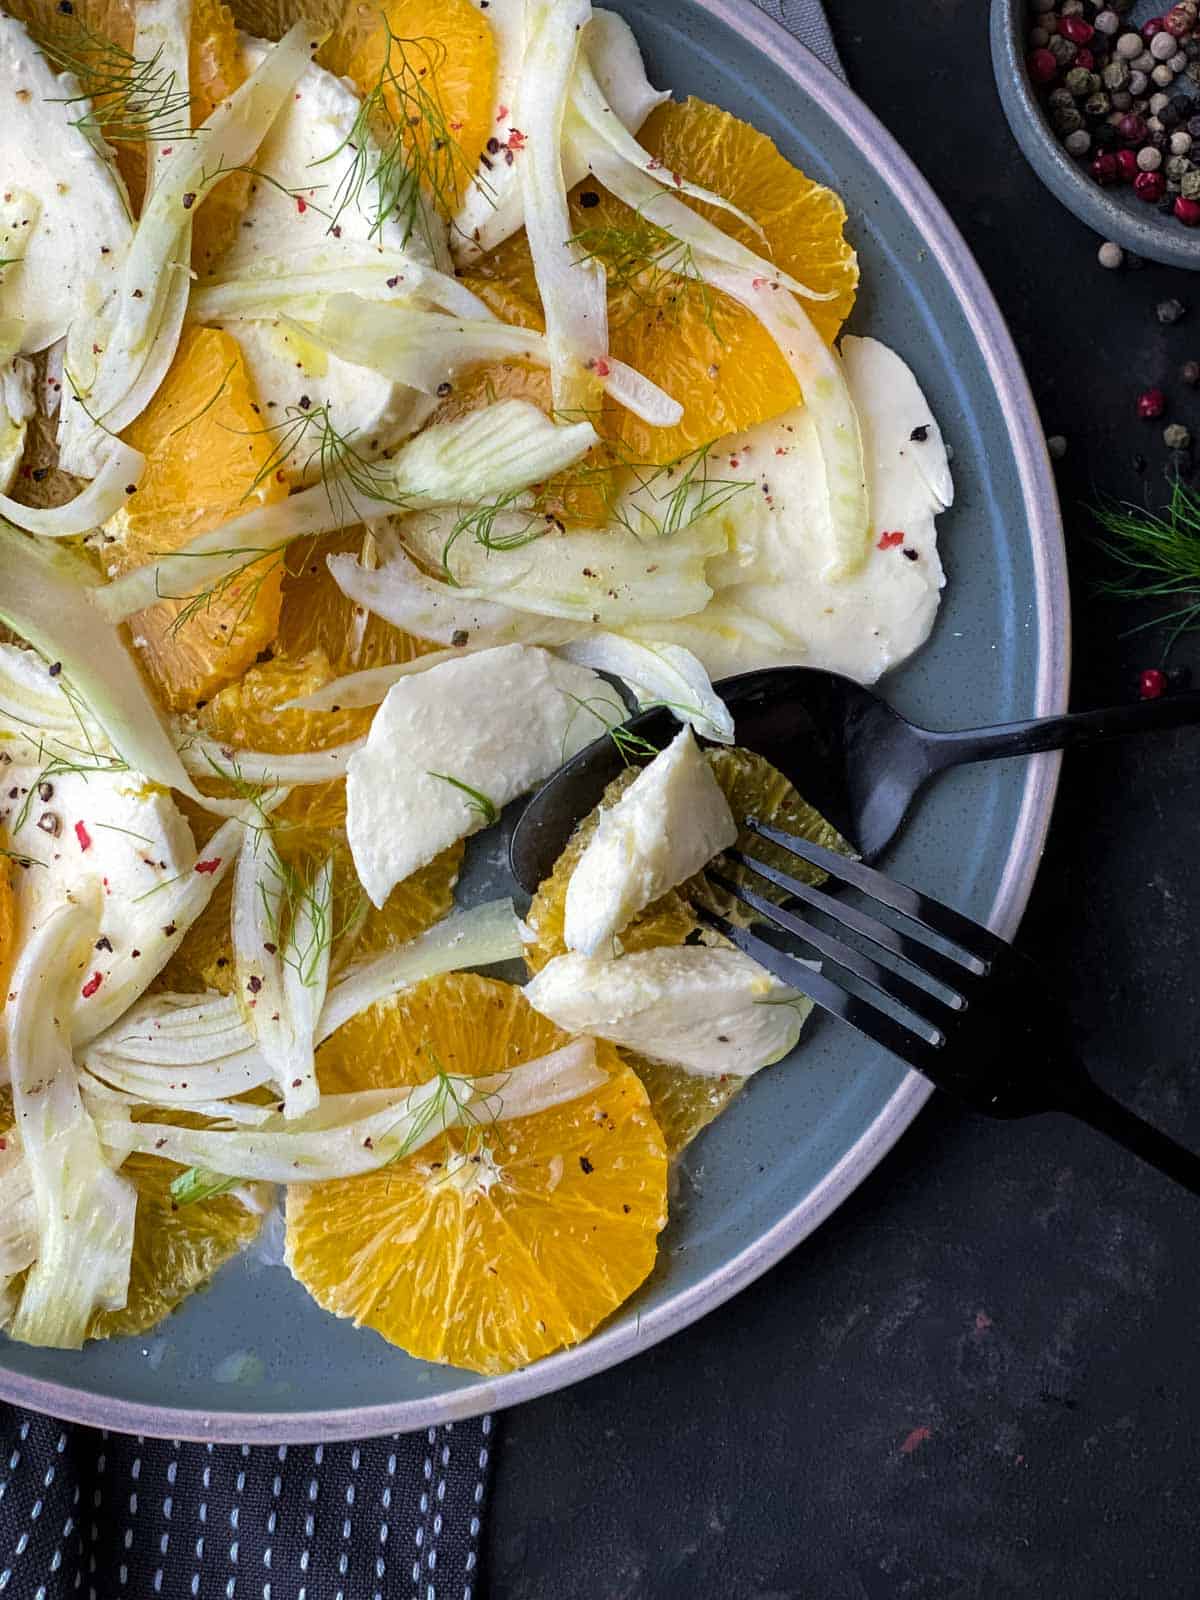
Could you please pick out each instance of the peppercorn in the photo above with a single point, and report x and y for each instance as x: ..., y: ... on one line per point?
x: 1108, y: 22
x: 1129, y: 45
x: 1138, y: 83
x: 1181, y: 143
x: 1104, y: 137
x: 1104, y: 168
x: 1152, y: 684
x: 1078, y: 143
x: 1169, y: 312
x: 1110, y: 255
x: 1176, y: 436
x: 1189, y: 185
x: 1178, y: 167
x: 1080, y: 82
x: 1056, y: 445
x: 1151, y: 403
x: 1097, y: 105
x: 1162, y: 75
x: 1150, y: 187
x: 1149, y: 159
x: 1063, y: 51
x: 1067, y: 121
x: 1188, y: 211
x: 1170, y: 116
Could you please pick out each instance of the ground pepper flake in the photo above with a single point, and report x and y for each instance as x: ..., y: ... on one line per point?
x: 516, y: 139
x: 208, y: 866
x: 586, y: 1165
x: 84, y: 837
x: 93, y: 983
x: 889, y: 541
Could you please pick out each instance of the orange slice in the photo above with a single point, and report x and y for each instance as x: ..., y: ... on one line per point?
x: 705, y: 350
x: 8, y: 923
x: 215, y: 69
x: 434, y: 64
x: 310, y: 824
x: 205, y: 450
x: 487, y: 1275
x: 683, y: 1102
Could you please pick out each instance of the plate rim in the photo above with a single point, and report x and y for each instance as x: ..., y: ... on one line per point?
x: 1051, y: 597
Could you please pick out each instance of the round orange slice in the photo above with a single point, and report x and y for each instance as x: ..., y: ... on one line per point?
x: 433, y: 67
x: 8, y: 923
x: 207, y: 459
x: 500, y: 1242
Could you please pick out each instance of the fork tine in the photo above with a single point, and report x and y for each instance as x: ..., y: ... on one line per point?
x: 922, y: 956
x: 883, y: 1029
x: 979, y: 945
x: 897, y: 987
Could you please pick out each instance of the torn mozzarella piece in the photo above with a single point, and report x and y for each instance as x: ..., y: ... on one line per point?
x: 713, y: 1012
x: 666, y: 826
x: 449, y: 747
x: 76, y: 231
x: 772, y: 604
x: 307, y: 176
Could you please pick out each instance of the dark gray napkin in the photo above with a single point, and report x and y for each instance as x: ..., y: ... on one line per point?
x: 109, y: 1516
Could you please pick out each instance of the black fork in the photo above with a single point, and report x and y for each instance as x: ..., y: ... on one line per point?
x: 946, y: 996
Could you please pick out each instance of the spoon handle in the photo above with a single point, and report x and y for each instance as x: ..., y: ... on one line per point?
x: 1060, y: 733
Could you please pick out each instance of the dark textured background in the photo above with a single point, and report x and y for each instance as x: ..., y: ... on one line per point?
x: 977, y: 1379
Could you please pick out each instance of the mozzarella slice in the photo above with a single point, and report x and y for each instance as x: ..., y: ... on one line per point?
x: 76, y: 829
x: 81, y: 229
x: 315, y: 193
x: 772, y: 605
x: 667, y: 825
x: 491, y: 208
x: 713, y: 1012
x: 449, y: 747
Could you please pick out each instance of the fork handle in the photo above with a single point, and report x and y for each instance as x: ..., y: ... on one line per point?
x: 1060, y: 733
x: 1090, y: 1104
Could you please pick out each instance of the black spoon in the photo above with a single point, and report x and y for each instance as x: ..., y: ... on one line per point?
x: 850, y: 755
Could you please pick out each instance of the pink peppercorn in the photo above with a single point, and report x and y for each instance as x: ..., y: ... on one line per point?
x: 1085, y: 59
x: 1132, y: 129
x: 1150, y: 187
x: 1151, y: 403
x: 1155, y: 25
x: 1043, y: 68
x: 1076, y: 29
x: 1104, y: 168
x: 1179, y: 22
x: 1152, y: 684
x: 1188, y: 211
x: 1127, y: 165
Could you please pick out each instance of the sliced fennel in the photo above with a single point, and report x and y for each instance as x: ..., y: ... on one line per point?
x: 300, y: 286
x: 259, y: 908
x: 400, y: 593
x: 48, y: 598
x: 658, y: 674
x: 306, y: 975
x: 119, y: 469
x: 339, y: 1139
x: 607, y: 577
x: 573, y: 290
x: 85, y: 1212
x: 493, y: 452
x: 134, y: 332
x: 426, y: 348
x: 207, y: 758
x: 368, y: 687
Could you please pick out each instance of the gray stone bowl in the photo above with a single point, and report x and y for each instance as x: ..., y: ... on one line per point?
x: 1113, y: 213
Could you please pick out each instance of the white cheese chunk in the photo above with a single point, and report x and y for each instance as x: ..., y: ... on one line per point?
x: 671, y: 820
x: 712, y: 1012
x: 81, y: 230
x: 315, y: 195
x: 77, y: 829
x: 449, y: 747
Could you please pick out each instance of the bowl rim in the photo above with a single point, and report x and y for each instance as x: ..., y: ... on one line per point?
x: 1142, y: 231
x: 1051, y: 599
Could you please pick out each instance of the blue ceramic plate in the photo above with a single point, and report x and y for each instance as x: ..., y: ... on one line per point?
x: 253, y: 1358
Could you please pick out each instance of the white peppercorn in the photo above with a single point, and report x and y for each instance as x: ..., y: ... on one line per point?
x: 1158, y: 102
x: 1137, y: 84
x: 1129, y: 45
x: 1154, y: 125
x: 1110, y: 255
x: 1143, y: 63
x: 1181, y: 143
x: 1162, y: 46
x: 1176, y: 436
x: 1148, y: 158
x: 1107, y: 22
x: 1079, y: 142
x: 1177, y: 63
x: 1071, y: 8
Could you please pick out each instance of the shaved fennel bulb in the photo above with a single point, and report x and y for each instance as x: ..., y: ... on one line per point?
x: 337, y: 1140
x: 300, y: 286
x: 85, y: 1212
x: 496, y: 451
x: 119, y: 471
x: 658, y: 674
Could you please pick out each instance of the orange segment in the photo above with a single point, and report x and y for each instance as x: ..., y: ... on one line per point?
x: 495, y: 1244
x: 684, y: 1103
x: 215, y: 70
x: 705, y: 350
x: 205, y: 448
x: 8, y: 923
x: 434, y: 64
x: 310, y: 824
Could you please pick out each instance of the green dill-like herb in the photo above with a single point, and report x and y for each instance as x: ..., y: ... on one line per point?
x: 628, y: 743
x: 681, y: 493
x: 480, y: 523
x: 198, y: 1183
x: 476, y: 800
x: 658, y: 270
x: 19, y: 858
x: 111, y: 827
x: 1158, y: 555
x: 208, y: 404
x: 404, y: 154
x: 123, y: 97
